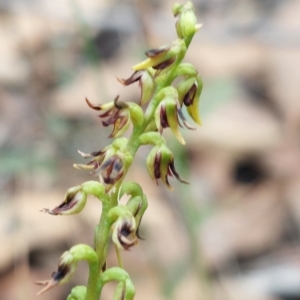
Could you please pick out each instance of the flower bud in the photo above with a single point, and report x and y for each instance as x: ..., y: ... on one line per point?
x: 146, y: 82
x: 74, y: 202
x: 160, y: 165
x: 162, y: 57
x: 186, y: 25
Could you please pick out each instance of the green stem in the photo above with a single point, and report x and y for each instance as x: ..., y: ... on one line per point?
x: 101, y: 239
x: 102, y: 233
x: 101, y: 245
x: 91, y: 293
x: 102, y: 236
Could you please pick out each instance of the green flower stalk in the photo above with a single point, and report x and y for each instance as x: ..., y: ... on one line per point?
x: 164, y: 105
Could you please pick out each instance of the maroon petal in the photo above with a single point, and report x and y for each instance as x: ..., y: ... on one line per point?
x: 184, y: 120
x: 154, y: 52
x: 157, y: 162
x: 189, y: 97
x: 164, y: 64
x: 163, y: 117
x: 93, y: 106
x: 133, y: 78
x: 175, y: 173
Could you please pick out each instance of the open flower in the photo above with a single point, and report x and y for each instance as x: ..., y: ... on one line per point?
x: 66, y: 268
x: 167, y: 114
x: 116, y: 114
x: 146, y: 82
x: 68, y: 265
x: 109, y: 163
x: 74, y: 202
x: 162, y: 57
x: 110, y: 168
x: 98, y: 158
x: 160, y: 165
x: 124, y: 232
x: 189, y: 91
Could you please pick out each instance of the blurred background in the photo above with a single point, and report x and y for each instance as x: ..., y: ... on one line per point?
x: 234, y: 232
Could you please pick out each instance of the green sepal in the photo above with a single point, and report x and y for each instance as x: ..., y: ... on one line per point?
x: 168, y: 91
x: 84, y: 252
x: 185, y: 69
x: 120, y: 275
x: 120, y: 211
x: 119, y: 144
x: 131, y: 188
x: 193, y: 109
x: 165, y: 54
x: 183, y: 88
x: 151, y: 126
x: 172, y: 107
x: 150, y: 162
x: 166, y: 157
x: 77, y: 293
x: 136, y: 114
x: 151, y: 138
x: 96, y: 189
x: 120, y: 291
x: 148, y: 87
